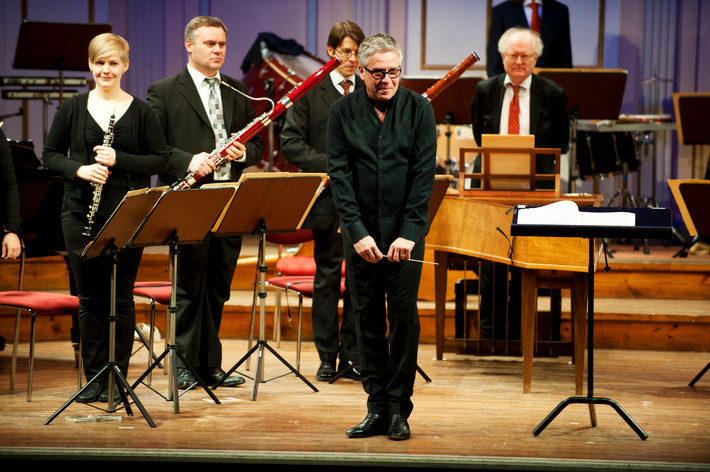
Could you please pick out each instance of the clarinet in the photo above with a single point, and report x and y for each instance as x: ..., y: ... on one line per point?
x: 93, y: 208
x: 219, y: 155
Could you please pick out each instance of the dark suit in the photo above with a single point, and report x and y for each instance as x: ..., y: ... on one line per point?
x: 303, y: 143
x: 554, y: 32
x: 205, y: 270
x: 382, y: 175
x: 549, y: 122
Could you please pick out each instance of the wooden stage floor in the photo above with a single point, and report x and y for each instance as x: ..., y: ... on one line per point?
x: 473, y: 415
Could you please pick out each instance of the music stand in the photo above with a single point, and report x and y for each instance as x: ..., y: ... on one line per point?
x: 268, y: 202
x: 113, y: 237
x: 582, y: 104
x: 180, y: 217
x: 651, y: 223
x: 37, y: 48
x: 692, y: 196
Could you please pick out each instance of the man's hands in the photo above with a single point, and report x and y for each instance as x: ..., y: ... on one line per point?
x: 400, y: 250
x: 201, y: 165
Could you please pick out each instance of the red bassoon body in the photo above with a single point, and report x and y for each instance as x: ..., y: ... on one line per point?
x: 218, y: 156
x: 450, y: 77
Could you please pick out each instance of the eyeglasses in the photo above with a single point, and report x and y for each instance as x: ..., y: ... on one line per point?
x: 347, y: 53
x: 380, y: 74
x: 523, y: 57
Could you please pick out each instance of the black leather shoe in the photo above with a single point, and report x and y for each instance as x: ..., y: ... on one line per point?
x: 399, y: 429
x: 372, y: 425
x: 326, y: 371
x: 185, y: 379
x: 90, y: 394
x: 103, y: 396
x: 353, y: 370
x: 212, y: 376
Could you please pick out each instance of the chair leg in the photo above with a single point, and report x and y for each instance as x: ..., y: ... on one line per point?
x: 298, y: 331
x: 30, y: 371
x: 15, y: 342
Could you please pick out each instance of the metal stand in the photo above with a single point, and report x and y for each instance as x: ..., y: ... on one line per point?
x: 590, y: 399
x: 114, y: 373
x: 700, y: 374
x: 171, y: 348
x: 261, y: 343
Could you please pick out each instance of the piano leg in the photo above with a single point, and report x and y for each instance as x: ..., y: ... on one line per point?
x: 528, y: 312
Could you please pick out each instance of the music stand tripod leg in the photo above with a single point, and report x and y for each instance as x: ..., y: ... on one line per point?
x: 114, y: 372
x: 700, y: 374
x: 171, y: 348
x: 261, y: 342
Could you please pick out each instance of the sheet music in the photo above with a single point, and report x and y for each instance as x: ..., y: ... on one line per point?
x: 566, y: 212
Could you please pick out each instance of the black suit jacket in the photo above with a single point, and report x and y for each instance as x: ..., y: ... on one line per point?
x: 554, y: 31
x: 187, y: 128
x: 303, y: 144
x: 549, y: 117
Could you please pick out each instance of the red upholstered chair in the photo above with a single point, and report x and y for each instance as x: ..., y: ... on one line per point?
x: 156, y: 292
x: 303, y: 287
x: 38, y: 304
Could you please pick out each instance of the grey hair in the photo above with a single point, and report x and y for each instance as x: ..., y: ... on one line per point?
x: 505, y: 37
x: 199, y: 22
x: 380, y: 42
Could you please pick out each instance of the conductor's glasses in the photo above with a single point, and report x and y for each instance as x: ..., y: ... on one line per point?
x: 380, y: 74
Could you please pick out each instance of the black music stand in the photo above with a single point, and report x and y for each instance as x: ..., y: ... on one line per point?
x: 584, y: 105
x: 113, y: 237
x: 692, y: 196
x: 37, y: 48
x: 274, y: 202
x: 180, y: 217
x: 650, y: 223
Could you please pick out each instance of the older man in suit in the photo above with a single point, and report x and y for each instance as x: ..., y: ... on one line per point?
x: 549, y: 18
x: 199, y: 108
x: 541, y: 111
x: 303, y: 144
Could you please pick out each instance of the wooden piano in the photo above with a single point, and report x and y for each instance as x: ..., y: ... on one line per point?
x: 476, y: 225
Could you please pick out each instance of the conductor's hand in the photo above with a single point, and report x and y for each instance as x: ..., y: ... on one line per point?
x: 368, y: 250
x: 400, y: 250
x: 95, y: 173
x: 201, y: 165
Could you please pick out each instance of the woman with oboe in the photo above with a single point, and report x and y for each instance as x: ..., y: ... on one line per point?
x: 104, y: 143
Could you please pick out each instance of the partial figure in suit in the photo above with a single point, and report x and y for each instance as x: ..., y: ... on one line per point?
x: 303, y: 144
x: 10, y: 209
x: 543, y: 112
x: 381, y: 162
x: 553, y: 27
x: 194, y: 125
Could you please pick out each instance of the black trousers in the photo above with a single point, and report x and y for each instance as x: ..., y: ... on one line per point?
x: 384, y: 297
x: 332, y: 338
x: 204, y: 278
x: 93, y: 286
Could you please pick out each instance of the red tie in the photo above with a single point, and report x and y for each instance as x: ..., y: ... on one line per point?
x: 346, y: 86
x: 514, y: 112
x: 535, y: 21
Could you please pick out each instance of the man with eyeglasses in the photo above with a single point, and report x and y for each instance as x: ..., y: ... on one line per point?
x: 381, y: 161
x: 303, y: 144
x: 542, y: 112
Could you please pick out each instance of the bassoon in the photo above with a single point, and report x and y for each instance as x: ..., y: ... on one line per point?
x: 450, y: 77
x: 218, y: 156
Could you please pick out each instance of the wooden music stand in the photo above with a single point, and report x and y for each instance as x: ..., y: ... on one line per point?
x: 111, y: 239
x: 692, y: 196
x: 273, y: 202
x: 584, y: 105
x: 180, y: 217
x: 650, y: 223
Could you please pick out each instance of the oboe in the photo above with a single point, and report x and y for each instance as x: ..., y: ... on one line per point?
x: 219, y: 155
x: 96, y: 199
